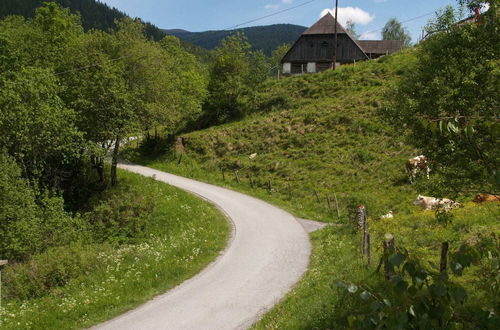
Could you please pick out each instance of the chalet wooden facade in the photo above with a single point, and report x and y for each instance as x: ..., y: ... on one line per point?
x: 314, y: 50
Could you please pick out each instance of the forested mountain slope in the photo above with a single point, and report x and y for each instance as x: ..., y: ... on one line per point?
x: 265, y: 38
x: 94, y: 14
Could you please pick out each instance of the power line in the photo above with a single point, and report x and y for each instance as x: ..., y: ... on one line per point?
x: 403, y: 22
x: 270, y: 15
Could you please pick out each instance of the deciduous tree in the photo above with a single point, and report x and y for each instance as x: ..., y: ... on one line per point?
x: 393, y: 30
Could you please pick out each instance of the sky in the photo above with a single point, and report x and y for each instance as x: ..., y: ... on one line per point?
x: 202, y: 15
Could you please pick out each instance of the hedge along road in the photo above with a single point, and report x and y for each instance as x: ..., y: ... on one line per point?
x: 267, y: 254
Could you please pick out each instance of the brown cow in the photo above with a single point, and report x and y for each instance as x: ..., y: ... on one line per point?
x: 481, y: 198
x: 415, y: 164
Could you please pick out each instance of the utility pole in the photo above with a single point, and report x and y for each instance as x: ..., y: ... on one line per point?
x: 335, y: 42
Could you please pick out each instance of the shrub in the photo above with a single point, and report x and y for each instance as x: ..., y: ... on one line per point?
x: 32, y: 221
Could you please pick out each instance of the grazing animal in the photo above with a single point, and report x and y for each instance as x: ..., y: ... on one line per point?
x: 481, y: 198
x: 433, y: 203
x: 416, y: 164
x: 389, y: 215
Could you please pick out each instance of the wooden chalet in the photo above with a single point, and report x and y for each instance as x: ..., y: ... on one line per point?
x: 314, y: 50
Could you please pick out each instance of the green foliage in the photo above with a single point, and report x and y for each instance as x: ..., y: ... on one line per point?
x: 37, y: 128
x: 32, y: 221
x: 449, y: 102
x: 94, y: 14
x: 278, y: 55
x: 473, y: 4
x: 85, y: 283
x: 444, y: 20
x: 313, y: 133
x: 325, y: 133
x: 123, y: 218
x: 228, y: 77
x: 393, y: 30
x: 418, y: 297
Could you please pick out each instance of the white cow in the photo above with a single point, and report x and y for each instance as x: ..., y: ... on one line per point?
x: 433, y: 203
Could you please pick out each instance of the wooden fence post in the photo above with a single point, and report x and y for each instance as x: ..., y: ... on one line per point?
x: 328, y: 201
x: 270, y: 184
x: 336, y: 204
x: 368, y: 249
x: 444, y: 257
x: 222, y: 171
x: 317, y: 197
x: 389, y: 247
x: 365, y: 233
x: 237, y: 176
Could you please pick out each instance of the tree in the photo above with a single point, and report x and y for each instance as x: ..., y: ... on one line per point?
x: 278, y: 55
x: 351, y: 28
x: 32, y: 221
x: 473, y: 4
x: 444, y: 20
x: 187, y: 85
x: 38, y: 130
x: 393, y: 30
x: 449, y: 102
x: 228, y: 75
x: 260, y: 68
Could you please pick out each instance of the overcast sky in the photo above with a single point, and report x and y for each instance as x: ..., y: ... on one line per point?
x: 201, y: 15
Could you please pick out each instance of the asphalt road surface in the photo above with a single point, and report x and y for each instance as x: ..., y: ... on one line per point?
x: 267, y: 254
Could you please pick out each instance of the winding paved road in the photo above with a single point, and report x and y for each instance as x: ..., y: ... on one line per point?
x: 267, y: 254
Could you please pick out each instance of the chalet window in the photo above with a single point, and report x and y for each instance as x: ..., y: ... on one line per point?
x: 324, y: 44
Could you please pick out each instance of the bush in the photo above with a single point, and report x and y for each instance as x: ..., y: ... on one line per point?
x: 121, y: 218
x: 51, y: 269
x: 449, y: 101
x: 32, y: 221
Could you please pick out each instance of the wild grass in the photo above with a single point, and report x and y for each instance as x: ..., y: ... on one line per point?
x: 316, y: 302
x: 328, y: 139
x: 320, y: 136
x: 79, y: 286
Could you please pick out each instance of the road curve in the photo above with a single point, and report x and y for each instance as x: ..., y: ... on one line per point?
x: 267, y: 254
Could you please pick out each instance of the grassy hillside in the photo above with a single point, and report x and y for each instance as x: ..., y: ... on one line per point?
x: 266, y: 38
x: 312, y: 137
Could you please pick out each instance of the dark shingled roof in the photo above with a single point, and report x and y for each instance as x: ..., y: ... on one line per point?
x: 326, y: 25
x: 381, y: 46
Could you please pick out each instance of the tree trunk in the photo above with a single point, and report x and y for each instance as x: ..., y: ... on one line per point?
x: 114, y: 161
x: 100, y: 169
x: 98, y: 164
x: 444, y: 257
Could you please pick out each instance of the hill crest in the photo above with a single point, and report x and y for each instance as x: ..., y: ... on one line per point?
x: 266, y: 37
